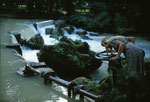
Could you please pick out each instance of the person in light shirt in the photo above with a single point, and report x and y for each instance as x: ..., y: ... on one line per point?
x: 134, y: 55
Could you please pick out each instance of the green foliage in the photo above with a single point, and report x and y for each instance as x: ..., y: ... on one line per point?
x: 100, y: 23
x: 78, y: 20
x: 36, y: 42
x: 120, y: 21
x: 78, y: 42
x: 66, y: 59
x: 89, y: 86
x: 97, y: 7
x: 128, y: 86
x: 122, y: 25
x: 104, y: 21
x: 125, y: 31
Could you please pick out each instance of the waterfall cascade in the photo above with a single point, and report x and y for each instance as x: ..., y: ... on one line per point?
x: 94, y: 41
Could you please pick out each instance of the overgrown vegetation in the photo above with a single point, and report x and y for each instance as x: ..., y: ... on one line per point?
x: 123, y: 17
x: 128, y: 86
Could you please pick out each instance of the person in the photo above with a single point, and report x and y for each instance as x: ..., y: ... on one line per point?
x: 134, y: 55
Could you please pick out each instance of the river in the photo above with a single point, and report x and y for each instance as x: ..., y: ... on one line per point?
x: 14, y: 88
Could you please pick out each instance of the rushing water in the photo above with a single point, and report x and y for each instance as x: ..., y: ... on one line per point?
x: 14, y: 88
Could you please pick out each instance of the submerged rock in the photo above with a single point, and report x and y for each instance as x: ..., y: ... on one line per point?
x: 56, y: 33
x: 66, y: 59
x: 69, y: 29
x: 85, y: 37
x: 35, y: 42
x: 81, y: 32
x: 94, y: 34
x: 48, y: 30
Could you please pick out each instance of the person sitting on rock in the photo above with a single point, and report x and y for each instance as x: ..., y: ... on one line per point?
x: 134, y: 55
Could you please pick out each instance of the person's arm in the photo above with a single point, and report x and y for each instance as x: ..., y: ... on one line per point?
x: 120, y: 49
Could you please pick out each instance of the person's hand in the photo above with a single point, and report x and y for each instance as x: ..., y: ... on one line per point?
x: 114, y: 58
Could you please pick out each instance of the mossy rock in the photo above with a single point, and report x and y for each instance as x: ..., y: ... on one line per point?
x: 57, y: 33
x: 69, y: 29
x: 85, y: 37
x: 81, y: 32
x: 93, y: 87
x: 48, y: 30
x: 106, y: 84
x: 94, y: 34
x: 89, y: 86
x: 68, y: 40
x: 66, y: 60
x: 35, y: 42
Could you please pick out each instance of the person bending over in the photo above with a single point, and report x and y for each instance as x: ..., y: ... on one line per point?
x: 134, y: 55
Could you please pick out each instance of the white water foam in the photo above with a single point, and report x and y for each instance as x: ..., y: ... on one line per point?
x: 29, y: 55
x: 47, y: 39
x: 14, y: 41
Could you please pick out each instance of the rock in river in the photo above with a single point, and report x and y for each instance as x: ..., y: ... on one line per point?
x: 67, y: 60
x: 35, y: 42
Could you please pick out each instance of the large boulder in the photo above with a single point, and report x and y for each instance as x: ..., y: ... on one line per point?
x: 35, y: 42
x: 57, y: 33
x: 48, y: 31
x: 66, y: 60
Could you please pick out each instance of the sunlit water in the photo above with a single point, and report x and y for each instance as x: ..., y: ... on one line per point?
x: 15, y: 88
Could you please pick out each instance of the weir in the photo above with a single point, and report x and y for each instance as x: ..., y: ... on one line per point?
x: 43, y: 24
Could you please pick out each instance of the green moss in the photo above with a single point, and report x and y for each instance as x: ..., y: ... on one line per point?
x: 89, y: 86
x: 65, y: 58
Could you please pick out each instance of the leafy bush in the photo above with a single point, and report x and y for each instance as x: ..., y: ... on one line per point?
x: 104, y: 21
x: 129, y: 86
x: 125, y: 31
x: 120, y: 21
x: 121, y: 25
x: 99, y: 23
x: 78, y: 20
x: 98, y: 7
